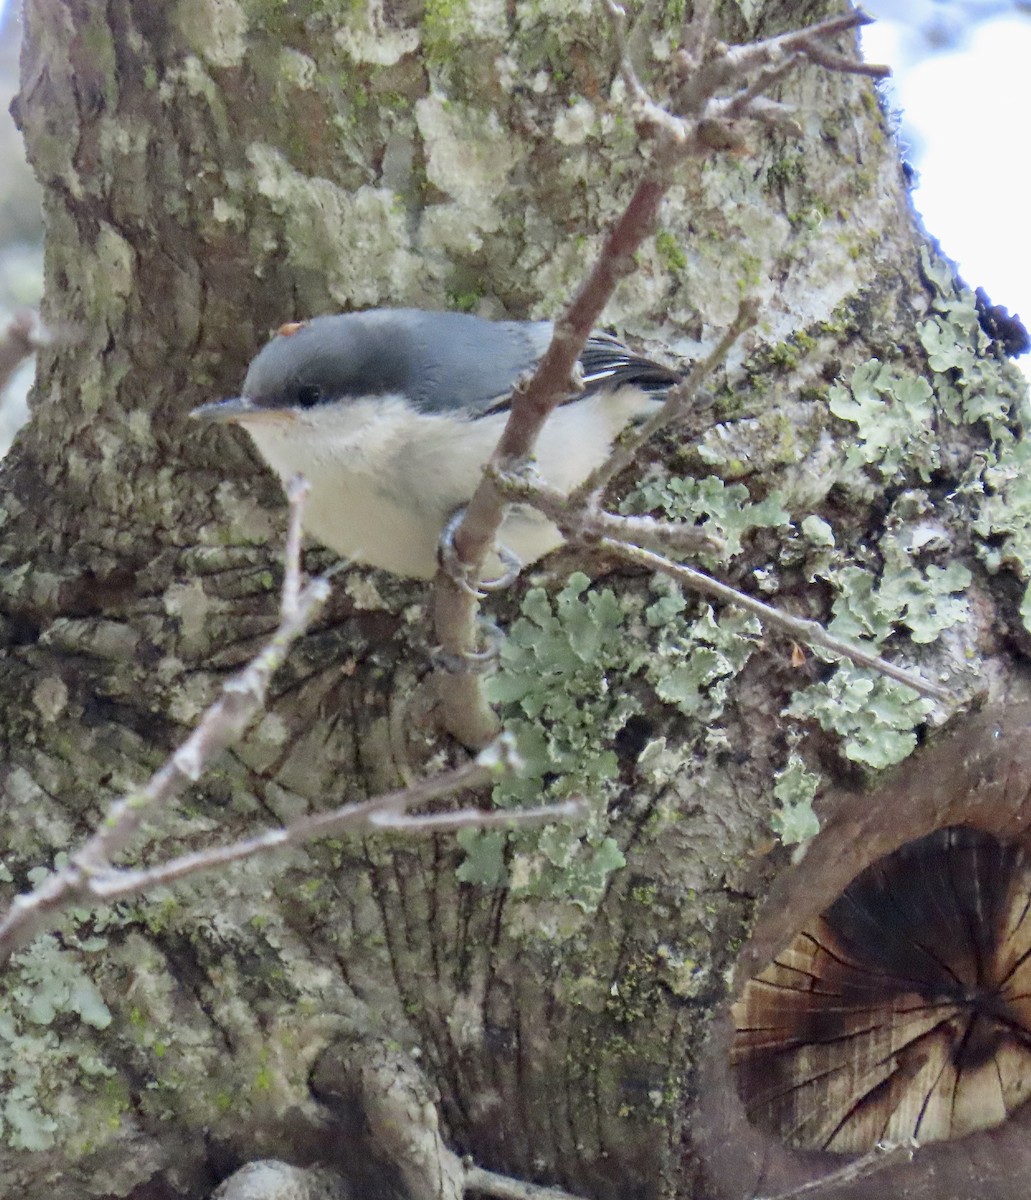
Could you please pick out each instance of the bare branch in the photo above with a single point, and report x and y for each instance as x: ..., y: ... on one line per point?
x: 476, y: 818
x: 652, y: 119
x: 464, y: 710
x: 750, y: 56
x: 624, y: 536
x: 114, y: 883
x: 297, y: 494
x: 885, y: 1155
x: 838, y: 62
x: 626, y: 66
x: 226, y: 720
x: 489, y: 1183
x: 774, y: 115
x: 742, y: 104
x: 698, y: 28
x: 799, y: 628
x: 705, y: 72
x: 89, y: 877
x: 534, y: 400
x: 382, y: 814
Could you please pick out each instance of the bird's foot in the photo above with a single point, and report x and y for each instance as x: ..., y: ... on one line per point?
x: 473, y: 662
x: 457, y: 570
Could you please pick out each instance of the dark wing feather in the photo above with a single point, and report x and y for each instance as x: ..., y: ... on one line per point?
x: 607, y: 364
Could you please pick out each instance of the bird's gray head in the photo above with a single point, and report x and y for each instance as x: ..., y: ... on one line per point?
x: 438, y: 361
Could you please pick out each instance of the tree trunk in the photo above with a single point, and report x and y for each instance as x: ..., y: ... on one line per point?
x: 214, y: 170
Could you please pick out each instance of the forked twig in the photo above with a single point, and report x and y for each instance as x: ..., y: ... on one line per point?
x: 90, y: 875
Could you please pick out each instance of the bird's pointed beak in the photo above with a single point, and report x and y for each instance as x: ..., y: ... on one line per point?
x: 224, y: 412
x: 241, y: 410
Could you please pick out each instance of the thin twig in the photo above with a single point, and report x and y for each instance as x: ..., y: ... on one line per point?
x: 464, y: 710
x: 115, y: 882
x: 885, y: 1155
x: 735, y: 107
x: 626, y: 67
x: 698, y: 28
x: 382, y: 814
x: 799, y: 628
x: 90, y: 877
x: 477, y: 818
x: 751, y: 56
x: 838, y: 62
x: 489, y: 1183
x: 651, y: 118
x: 585, y: 521
x: 225, y: 722
x: 719, y: 67
x: 623, y: 536
x: 297, y: 495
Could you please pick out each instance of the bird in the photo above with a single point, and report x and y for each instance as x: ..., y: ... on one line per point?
x: 391, y: 414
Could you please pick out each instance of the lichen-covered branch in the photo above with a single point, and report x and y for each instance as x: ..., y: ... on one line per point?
x: 628, y: 538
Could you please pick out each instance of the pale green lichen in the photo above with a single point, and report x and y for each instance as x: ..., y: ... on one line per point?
x: 724, y: 510
x: 557, y: 701
x: 575, y: 124
x: 46, y: 985
x: 96, y: 43
x: 817, y: 531
x: 357, y: 239
x: 893, y: 413
x: 952, y: 336
x: 450, y: 23
x: 711, y: 652
x: 670, y: 250
x: 553, y: 687
x: 795, y: 821
x: 469, y: 156
x: 1004, y: 511
x: 977, y: 389
x: 367, y: 38
x: 296, y: 69
x: 216, y: 29
x: 900, y: 417
x: 924, y: 602
x: 875, y: 717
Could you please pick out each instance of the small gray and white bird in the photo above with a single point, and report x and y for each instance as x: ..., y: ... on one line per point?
x: 391, y: 414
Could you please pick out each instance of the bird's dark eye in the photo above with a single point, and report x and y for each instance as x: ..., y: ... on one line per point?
x: 308, y: 395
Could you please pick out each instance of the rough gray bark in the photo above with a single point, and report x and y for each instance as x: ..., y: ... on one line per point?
x: 211, y: 170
